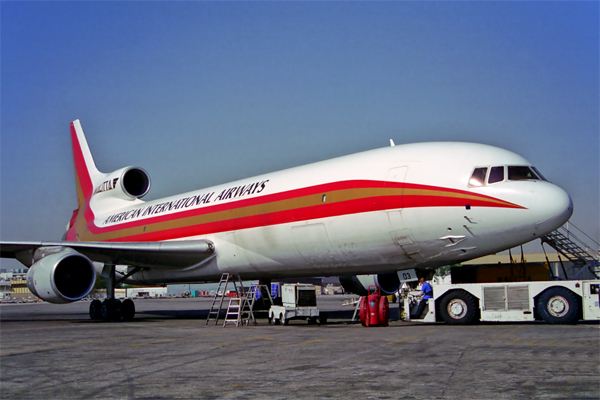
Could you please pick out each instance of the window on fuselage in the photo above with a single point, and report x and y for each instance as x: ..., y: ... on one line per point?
x: 496, y: 175
x: 478, y: 177
x: 521, y: 173
x: 542, y: 177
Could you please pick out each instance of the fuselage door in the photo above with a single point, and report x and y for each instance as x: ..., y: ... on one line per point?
x: 394, y: 192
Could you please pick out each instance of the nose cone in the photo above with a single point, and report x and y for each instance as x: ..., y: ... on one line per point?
x: 551, y: 207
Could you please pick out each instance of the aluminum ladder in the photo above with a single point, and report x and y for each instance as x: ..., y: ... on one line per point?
x: 234, y: 312
x: 217, y: 303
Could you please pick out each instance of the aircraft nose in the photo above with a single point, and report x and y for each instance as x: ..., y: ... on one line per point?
x: 551, y: 207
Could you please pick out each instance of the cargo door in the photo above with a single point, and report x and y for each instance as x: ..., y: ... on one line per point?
x: 313, y: 244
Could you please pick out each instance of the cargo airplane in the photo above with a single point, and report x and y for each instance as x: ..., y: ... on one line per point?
x: 363, y: 217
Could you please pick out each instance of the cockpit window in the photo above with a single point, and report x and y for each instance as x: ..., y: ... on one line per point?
x: 496, y: 175
x: 520, y: 173
x: 542, y: 177
x: 478, y: 177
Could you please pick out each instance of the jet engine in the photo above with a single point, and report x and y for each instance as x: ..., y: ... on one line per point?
x: 126, y: 183
x: 62, y: 277
x: 359, y: 284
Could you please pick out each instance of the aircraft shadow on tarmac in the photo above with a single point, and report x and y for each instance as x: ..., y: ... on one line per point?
x: 333, y: 317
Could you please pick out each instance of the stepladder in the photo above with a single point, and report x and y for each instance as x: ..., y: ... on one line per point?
x: 220, y: 294
x: 234, y: 312
x: 241, y: 309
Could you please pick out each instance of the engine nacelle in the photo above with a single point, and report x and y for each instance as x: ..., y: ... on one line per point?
x: 126, y: 183
x: 62, y: 277
x: 359, y: 284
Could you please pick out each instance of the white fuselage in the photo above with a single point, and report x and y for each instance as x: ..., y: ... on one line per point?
x: 407, y: 206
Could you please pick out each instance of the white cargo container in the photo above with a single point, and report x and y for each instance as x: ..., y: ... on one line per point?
x: 298, y: 301
x: 556, y: 302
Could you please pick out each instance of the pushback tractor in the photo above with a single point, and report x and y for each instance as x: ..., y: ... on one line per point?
x: 555, y: 302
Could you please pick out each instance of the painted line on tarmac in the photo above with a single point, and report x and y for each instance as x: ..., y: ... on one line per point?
x: 61, y: 325
x: 550, y: 343
x: 258, y: 338
x: 316, y: 340
x: 406, y: 339
x: 512, y: 331
x: 174, y: 339
x: 154, y: 342
x: 6, y: 343
x: 312, y: 341
x: 56, y: 346
x: 219, y: 345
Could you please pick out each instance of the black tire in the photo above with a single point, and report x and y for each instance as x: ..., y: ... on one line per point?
x: 127, y: 310
x: 111, y: 310
x: 270, y: 319
x: 458, y: 308
x: 558, y: 305
x: 96, y: 310
x: 323, y: 320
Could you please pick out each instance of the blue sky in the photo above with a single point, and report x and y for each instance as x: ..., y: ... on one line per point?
x: 201, y: 93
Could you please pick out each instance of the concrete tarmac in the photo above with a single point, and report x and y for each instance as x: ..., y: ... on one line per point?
x: 168, y: 352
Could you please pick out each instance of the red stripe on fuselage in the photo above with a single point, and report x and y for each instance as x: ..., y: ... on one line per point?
x: 446, y: 198
x: 269, y: 198
x: 296, y: 215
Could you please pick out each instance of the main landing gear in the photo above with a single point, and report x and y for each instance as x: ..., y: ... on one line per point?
x: 112, y: 309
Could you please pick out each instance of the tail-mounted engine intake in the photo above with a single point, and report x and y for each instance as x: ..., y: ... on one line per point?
x: 126, y: 183
x: 61, y: 275
x: 359, y: 284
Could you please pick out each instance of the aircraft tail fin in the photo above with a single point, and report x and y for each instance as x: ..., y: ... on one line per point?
x: 97, y: 192
x: 87, y: 175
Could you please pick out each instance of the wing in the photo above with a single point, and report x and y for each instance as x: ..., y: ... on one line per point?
x: 172, y: 254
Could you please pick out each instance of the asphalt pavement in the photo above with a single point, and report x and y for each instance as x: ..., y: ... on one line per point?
x: 169, y: 352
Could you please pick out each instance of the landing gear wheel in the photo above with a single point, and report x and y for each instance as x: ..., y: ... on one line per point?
x: 270, y: 319
x: 127, y: 310
x: 111, y: 310
x: 558, y: 305
x: 458, y: 308
x: 96, y: 310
